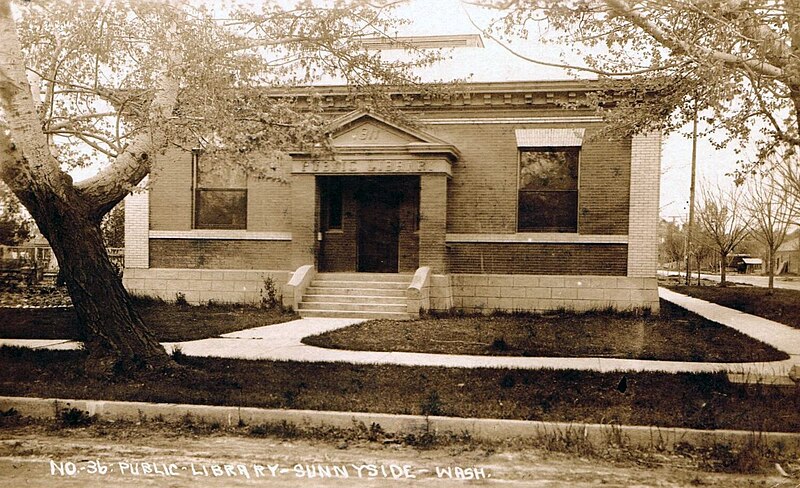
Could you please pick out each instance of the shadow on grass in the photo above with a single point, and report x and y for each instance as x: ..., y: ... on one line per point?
x: 705, y: 401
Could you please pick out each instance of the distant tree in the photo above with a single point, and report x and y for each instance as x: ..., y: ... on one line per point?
x: 724, y: 220
x: 113, y: 226
x: 671, y: 246
x: 15, y: 228
x: 772, y: 212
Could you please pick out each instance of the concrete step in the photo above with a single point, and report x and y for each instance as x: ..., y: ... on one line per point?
x: 354, y: 315
x: 388, y: 285
x: 342, y: 298
x: 353, y: 307
x: 373, y: 292
x: 391, y: 277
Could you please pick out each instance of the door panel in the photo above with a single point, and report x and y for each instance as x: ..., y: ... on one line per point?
x: 378, y: 229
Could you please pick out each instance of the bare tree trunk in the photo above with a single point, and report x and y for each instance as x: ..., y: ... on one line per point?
x: 722, y: 261
x: 771, y: 271
x: 69, y: 217
x: 114, y: 335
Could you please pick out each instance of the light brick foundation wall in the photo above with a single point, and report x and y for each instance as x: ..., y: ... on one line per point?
x: 137, y: 228
x: 643, y: 223
x: 485, y: 293
x: 200, y: 286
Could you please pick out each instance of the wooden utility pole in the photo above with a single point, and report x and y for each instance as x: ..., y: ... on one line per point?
x: 690, y: 223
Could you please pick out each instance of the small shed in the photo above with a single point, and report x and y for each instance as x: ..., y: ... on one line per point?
x: 746, y: 264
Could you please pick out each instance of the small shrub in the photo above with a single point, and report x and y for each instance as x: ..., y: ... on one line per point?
x: 282, y: 429
x: 269, y: 294
x: 9, y: 417
x: 499, y: 344
x: 289, y: 398
x: 74, y: 417
x: 507, y: 381
x: 180, y: 299
x: 177, y: 354
x: 432, y: 405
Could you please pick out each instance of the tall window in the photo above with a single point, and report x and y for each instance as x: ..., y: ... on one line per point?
x: 548, y: 189
x: 220, y: 194
x: 332, y: 207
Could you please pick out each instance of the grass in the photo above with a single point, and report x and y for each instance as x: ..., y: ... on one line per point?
x: 675, y: 335
x: 781, y: 305
x: 707, y: 401
x: 169, y: 322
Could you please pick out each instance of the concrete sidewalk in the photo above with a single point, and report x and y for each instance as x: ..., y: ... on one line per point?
x: 283, y: 342
x: 785, y: 282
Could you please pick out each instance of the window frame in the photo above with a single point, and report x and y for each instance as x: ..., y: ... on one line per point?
x: 576, y: 191
x: 331, y: 188
x: 196, y: 191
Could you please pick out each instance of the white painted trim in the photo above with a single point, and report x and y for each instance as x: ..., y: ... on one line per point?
x: 221, y: 234
x: 584, y: 119
x: 538, y: 238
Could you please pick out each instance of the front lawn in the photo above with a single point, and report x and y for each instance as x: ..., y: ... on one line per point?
x: 168, y: 321
x: 706, y: 401
x: 674, y: 335
x: 781, y: 305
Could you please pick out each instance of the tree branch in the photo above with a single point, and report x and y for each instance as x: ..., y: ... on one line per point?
x: 108, y: 187
x: 678, y: 46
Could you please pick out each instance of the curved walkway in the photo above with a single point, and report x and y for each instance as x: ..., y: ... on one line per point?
x: 282, y: 342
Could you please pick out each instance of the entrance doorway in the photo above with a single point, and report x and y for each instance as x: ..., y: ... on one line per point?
x: 369, y: 223
x: 378, y: 228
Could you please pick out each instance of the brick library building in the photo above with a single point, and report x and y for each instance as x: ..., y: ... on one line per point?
x: 498, y: 198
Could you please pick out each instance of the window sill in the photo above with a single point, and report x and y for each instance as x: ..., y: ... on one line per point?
x: 229, y: 234
x: 538, y: 238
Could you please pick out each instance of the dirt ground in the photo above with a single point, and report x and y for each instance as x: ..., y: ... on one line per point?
x: 35, y: 456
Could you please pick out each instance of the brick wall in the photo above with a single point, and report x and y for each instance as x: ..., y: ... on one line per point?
x: 137, y: 228
x: 644, y: 191
x: 269, y: 200
x: 171, y: 191
x: 219, y: 254
x: 535, y: 258
x: 433, y: 212
x: 305, y: 217
x: 171, y: 195
x: 482, y: 195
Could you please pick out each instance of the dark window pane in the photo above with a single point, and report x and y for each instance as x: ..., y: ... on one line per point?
x: 549, y: 169
x: 548, y: 211
x: 221, y: 209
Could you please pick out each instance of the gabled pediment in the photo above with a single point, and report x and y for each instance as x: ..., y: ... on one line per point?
x: 363, y: 129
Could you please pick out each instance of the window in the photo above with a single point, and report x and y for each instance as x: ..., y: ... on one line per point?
x: 220, y: 195
x: 548, y: 189
x: 333, y: 204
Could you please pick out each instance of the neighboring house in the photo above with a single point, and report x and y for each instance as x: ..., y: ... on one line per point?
x: 500, y: 198
x: 787, y: 257
x: 745, y: 264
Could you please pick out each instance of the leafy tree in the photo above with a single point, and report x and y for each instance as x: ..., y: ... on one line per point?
x: 127, y: 80
x: 113, y: 226
x: 14, y: 225
x: 737, y: 61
